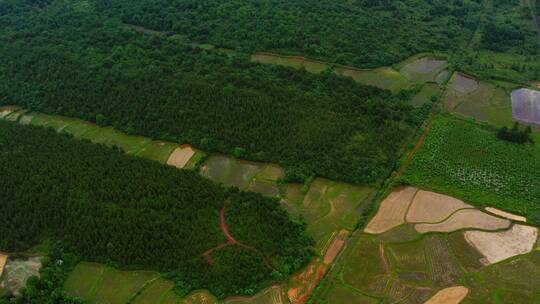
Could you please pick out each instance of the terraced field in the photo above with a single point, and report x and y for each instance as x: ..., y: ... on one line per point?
x: 163, y: 152
x: 483, y: 101
x: 403, y: 264
x: 418, y: 69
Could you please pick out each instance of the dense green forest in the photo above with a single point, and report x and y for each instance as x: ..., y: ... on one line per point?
x: 132, y: 212
x: 66, y: 58
x: 363, y: 33
x: 507, y: 47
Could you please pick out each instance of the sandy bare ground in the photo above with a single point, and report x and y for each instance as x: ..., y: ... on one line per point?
x: 464, y: 83
x: 508, y: 215
x: 467, y: 218
x: 431, y: 207
x: 498, y: 246
x: 3, y: 260
x: 302, y: 284
x: 392, y: 211
x: 180, y: 156
x: 335, y: 247
x: 450, y: 295
x: 5, y: 112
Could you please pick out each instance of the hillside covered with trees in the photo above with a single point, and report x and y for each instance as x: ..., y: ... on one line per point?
x: 110, y: 207
x: 65, y: 57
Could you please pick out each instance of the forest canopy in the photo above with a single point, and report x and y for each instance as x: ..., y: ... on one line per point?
x: 66, y: 58
x: 111, y: 207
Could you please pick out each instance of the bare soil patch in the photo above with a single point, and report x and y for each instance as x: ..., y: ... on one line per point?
x: 499, y: 246
x: 526, y: 106
x: 508, y: 215
x: 180, y: 156
x: 464, y: 83
x: 3, y: 260
x: 468, y: 218
x: 335, y: 247
x: 431, y: 207
x: 450, y: 295
x: 4, y: 112
x: 392, y: 211
x: 302, y: 284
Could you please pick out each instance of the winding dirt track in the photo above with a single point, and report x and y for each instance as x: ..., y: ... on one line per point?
x: 232, y: 241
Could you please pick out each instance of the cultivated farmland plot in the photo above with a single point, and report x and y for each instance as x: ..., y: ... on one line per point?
x: 331, y: 210
x: 417, y: 69
x: 480, y: 100
x: 526, y: 106
x: 397, y: 265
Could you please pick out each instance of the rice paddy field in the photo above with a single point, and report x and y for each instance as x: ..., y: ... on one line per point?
x: 419, y: 69
x: 526, y: 106
x: 403, y: 265
x: 246, y: 175
x: 483, y: 101
x: 159, y: 151
x: 502, y: 173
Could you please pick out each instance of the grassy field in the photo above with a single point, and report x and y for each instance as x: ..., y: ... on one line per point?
x: 500, y: 173
x: 327, y: 208
x: 426, y: 95
x: 97, y: 283
x: 84, y: 280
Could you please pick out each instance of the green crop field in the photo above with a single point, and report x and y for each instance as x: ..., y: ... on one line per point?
x: 119, y: 287
x: 84, y: 280
x: 467, y: 160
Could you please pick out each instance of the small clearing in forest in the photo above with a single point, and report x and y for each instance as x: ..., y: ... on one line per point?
x: 180, y: 157
x: 498, y: 246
